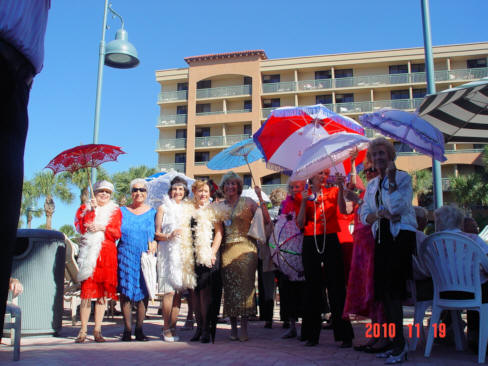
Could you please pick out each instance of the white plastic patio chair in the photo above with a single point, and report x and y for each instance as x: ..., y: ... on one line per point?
x: 13, y: 322
x: 455, y: 262
x: 71, y: 286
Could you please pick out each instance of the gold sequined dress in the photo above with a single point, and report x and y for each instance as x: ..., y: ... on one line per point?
x: 239, y: 263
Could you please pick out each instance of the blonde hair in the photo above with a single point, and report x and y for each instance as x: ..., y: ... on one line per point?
x: 277, y: 195
x: 381, y: 141
x: 232, y: 176
x: 199, y: 184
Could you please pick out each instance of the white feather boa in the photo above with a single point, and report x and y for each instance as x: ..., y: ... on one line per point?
x: 92, y: 241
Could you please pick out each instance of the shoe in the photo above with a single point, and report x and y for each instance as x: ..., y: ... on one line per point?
x: 233, y: 338
x: 97, y: 336
x: 268, y: 324
x: 372, y: 349
x: 402, y: 356
x: 205, y: 337
x: 286, y: 324
x: 188, y: 324
x: 196, y: 336
x: 140, y: 336
x: 243, y: 338
x: 292, y: 333
x: 346, y: 344
x: 385, y: 354
x: 127, y: 337
x: 169, y: 337
x: 81, y: 337
x: 311, y: 344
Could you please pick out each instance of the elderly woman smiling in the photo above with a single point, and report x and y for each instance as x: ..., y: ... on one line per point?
x: 137, y: 237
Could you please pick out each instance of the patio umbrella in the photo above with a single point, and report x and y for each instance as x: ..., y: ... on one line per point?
x: 288, y: 131
x: 460, y: 113
x: 158, y: 187
x: 327, y: 153
x: 84, y: 156
x: 408, y: 128
x: 239, y: 154
x: 249, y: 192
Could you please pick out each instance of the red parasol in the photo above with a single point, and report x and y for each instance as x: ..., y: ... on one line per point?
x: 84, y: 156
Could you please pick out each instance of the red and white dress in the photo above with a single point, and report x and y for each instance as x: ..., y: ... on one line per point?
x: 97, y: 259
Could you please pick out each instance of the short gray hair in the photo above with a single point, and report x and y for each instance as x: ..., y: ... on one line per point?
x: 133, y: 182
x: 381, y: 141
x: 448, y: 217
x: 232, y: 176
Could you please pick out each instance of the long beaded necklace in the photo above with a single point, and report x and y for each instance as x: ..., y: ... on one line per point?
x: 228, y: 222
x: 315, y: 222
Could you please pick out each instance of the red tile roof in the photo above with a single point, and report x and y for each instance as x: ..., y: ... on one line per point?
x: 220, y: 56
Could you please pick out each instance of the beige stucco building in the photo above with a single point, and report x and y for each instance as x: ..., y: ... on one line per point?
x: 220, y: 99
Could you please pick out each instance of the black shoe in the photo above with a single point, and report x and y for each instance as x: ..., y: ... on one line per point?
x: 292, y: 333
x: 196, y: 336
x: 311, y: 344
x: 346, y: 344
x: 268, y: 324
x: 127, y: 337
x: 373, y: 349
x: 205, y: 338
x: 140, y: 336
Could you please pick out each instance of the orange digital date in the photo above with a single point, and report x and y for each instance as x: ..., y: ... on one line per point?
x: 388, y: 330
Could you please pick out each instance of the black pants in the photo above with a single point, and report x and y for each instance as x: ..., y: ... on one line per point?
x: 266, y: 289
x: 16, y: 75
x: 330, y: 276
x: 291, y: 297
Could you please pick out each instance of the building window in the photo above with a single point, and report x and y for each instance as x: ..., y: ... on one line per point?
x: 202, y: 156
x: 323, y: 99
x: 181, y: 133
x: 477, y: 62
x: 248, y: 130
x: 182, y: 86
x: 322, y: 74
x: 248, y: 105
x: 271, y: 103
x: 344, y: 98
x: 203, y: 108
x: 181, y: 109
x: 202, y: 132
x: 269, y: 79
x: 204, y: 84
x: 419, y: 93
x: 247, y: 80
x: 399, y: 94
x: 180, y: 158
x: 417, y: 67
x: 247, y: 179
x: 398, y: 69
x: 344, y: 73
x: 271, y: 179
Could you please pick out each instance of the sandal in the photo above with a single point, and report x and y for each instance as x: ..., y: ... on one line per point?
x: 97, y: 336
x: 81, y: 337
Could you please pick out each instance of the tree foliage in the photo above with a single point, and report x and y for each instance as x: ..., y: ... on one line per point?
x: 30, y: 197
x: 122, y: 181
x: 422, y: 186
x: 80, y: 179
x: 69, y: 230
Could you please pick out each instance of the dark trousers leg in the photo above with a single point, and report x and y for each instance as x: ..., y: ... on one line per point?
x: 14, y: 97
x: 285, y: 300
x: 394, y: 314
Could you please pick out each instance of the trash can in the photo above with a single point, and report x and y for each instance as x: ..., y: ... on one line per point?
x: 38, y: 263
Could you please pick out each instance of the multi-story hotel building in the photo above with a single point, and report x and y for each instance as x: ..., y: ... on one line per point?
x: 220, y: 99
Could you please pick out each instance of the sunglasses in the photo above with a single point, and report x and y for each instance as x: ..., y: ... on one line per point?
x: 370, y: 170
x: 134, y: 190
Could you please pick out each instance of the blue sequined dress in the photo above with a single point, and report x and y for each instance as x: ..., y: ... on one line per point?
x: 137, y: 231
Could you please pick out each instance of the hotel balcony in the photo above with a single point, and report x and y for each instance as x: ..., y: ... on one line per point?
x: 218, y: 141
x: 224, y: 91
x: 179, y: 167
x: 172, y: 120
x: 172, y: 96
x: 171, y: 144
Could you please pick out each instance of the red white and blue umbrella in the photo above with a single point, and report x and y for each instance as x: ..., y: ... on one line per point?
x: 288, y: 131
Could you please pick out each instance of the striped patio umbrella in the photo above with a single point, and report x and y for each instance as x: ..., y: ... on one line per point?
x: 460, y: 113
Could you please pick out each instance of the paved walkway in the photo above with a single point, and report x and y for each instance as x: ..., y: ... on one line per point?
x: 264, y: 348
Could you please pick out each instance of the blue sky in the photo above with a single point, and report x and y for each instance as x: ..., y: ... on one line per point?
x: 62, y: 101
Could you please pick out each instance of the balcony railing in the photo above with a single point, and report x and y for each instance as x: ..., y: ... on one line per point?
x: 179, y: 167
x: 171, y: 144
x: 170, y: 96
x: 224, y: 91
x: 447, y: 152
x: 174, y: 119
x: 201, y: 163
x: 219, y: 141
x: 224, y: 112
x: 375, y: 80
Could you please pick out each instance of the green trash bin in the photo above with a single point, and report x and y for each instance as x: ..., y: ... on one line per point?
x: 38, y: 263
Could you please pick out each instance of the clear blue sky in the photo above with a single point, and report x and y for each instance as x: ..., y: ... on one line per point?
x: 62, y: 101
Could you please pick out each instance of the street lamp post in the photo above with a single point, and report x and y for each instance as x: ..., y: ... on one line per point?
x: 120, y: 54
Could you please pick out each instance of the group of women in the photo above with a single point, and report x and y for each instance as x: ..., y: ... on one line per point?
x: 201, y: 246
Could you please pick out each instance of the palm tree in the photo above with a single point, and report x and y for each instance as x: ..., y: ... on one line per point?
x: 79, y: 179
x: 29, y: 200
x: 52, y: 186
x: 422, y: 186
x: 469, y: 190
x: 68, y: 230
x: 122, y: 181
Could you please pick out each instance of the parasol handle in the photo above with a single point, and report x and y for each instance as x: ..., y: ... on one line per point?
x: 250, y: 171
x: 89, y: 181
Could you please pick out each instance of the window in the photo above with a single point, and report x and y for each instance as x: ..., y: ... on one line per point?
x: 181, y: 133
x: 322, y: 74
x: 417, y: 67
x: 180, y: 158
x: 203, y: 108
x: 248, y: 105
x: 344, y: 98
x: 182, y: 86
x: 419, y: 93
x: 477, y: 62
x: 247, y: 129
x: 323, y: 99
x: 202, y: 156
x: 268, y: 79
x: 344, y: 73
x: 399, y: 94
x: 271, y: 179
x: 271, y: 103
x: 181, y: 109
x: 202, y: 131
x: 398, y: 69
x: 247, y: 179
x: 247, y: 80
x: 204, y: 84
x: 402, y: 147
